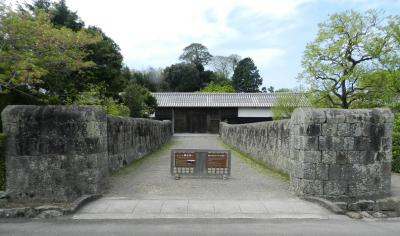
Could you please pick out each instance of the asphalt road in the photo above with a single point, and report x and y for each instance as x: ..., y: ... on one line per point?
x: 178, y: 227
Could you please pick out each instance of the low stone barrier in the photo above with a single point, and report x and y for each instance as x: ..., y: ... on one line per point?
x: 59, y: 153
x: 341, y: 155
x: 130, y: 139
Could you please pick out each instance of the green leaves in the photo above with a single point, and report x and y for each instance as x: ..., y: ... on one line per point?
x: 197, y: 54
x: 246, y: 77
x: 32, y: 48
x: 348, y: 47
x: 212, y: 87
x: 139, y: 100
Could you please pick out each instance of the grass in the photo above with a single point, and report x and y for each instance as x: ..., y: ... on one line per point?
x: 137, y: 163
x: 259, y: 166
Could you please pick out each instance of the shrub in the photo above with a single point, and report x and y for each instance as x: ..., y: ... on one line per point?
x: 2, y: 162
x: 396, y: 144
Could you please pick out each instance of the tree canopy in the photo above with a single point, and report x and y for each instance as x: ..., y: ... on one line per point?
x: 225, y: 65
x: 183, y: 77
x: 32, y: 50
x: 349, y: 47
x: 246, y: 77
x: 197, y: 54
x: 139, y: 100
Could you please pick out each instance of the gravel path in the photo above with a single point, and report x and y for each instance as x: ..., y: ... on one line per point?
x: 151, y: 179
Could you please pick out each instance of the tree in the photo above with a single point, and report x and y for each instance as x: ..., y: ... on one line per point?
x: 197, y: 54
x: 108, y: 59
x: 234, y: 60
x: 224, y: 65
x: 218, y: 88
x: 62, y: 16
x: 286, y: 102
x: 105, y: 53
x: 139, y: 100
x: 246, y: 77
x: 32, y: 50
x: 348, y: 48
x: 93, y: 96
x: 183, y: 77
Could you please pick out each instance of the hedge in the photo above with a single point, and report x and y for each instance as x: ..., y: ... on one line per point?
x: 2, y: 162
x: 396, y: 144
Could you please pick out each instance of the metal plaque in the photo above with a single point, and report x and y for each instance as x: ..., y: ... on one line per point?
x: 200, y: 162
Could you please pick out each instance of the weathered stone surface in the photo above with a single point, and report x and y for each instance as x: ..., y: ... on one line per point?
x: 59, y: 153
x: 388, y: 204
x: 55, y: 153
x: 130, y: 139
x: 337, y: 154
x: 354, y: 215
x: 365, y: 214
x: 362, y: 205
x: 18, y: 212
x: 49, y: 214
x: 379, y: 215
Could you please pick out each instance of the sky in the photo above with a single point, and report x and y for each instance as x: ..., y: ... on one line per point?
x: 273, y: 33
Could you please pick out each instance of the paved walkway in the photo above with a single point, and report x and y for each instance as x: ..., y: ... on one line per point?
x: 146, y: 190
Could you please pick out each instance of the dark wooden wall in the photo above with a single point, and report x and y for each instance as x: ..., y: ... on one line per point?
x: 202, y: 119
x: 196, y: 120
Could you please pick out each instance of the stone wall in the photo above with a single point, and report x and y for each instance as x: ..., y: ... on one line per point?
x: 55, y: 153
x: 58, y: 153
x: 332, y: 153
x: 130, y: 139
x: 267, y: 142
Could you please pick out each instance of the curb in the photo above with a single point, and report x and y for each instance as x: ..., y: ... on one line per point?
x: 326, y: 204
x: 47, y: 211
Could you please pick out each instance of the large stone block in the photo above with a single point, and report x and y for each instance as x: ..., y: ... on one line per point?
x: 335, y: 153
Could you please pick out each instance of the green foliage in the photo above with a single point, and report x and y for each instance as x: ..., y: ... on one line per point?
x: 348, y: 48
x: 93, y: 96
x: 246, y: 77
x: 63, y: 17
x: 218, y: 88
x: 197, y: 54
x: 38, y: 58
x: 183, y: 77
x: 2, y: 162
x: 108, y: 59
x: 139, y: 100
x: 285, y: 104
x: 396, y: 144
x: 150, y: 78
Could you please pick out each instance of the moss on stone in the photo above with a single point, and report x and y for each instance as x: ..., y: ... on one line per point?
x: 137, y: 163
x: 256, y: 164
x: 2, y: 162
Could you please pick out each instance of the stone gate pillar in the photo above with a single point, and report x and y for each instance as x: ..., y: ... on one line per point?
x: 55, y: 153
x: 341, y: 154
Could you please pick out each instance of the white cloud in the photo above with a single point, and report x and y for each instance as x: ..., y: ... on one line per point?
x: 152, y: 31
x: 264, y: 57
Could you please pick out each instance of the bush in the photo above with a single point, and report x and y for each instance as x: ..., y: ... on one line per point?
x: 93, y: 97
x: 2, y: 162
x: 139, y: 100
x: 396, y: 144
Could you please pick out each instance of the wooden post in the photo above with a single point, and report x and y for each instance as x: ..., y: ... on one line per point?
x: 173, y: 121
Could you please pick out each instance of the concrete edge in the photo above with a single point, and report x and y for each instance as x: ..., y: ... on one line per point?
x: 80, y: 202
x: 326, y: 204
x: 47, y: 211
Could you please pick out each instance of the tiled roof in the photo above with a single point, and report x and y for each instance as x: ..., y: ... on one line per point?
x: 223, y: 99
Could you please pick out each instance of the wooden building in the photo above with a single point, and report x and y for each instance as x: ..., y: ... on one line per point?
x: 202, y: 112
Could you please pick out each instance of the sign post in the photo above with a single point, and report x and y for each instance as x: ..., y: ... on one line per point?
x: 200, y: 163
